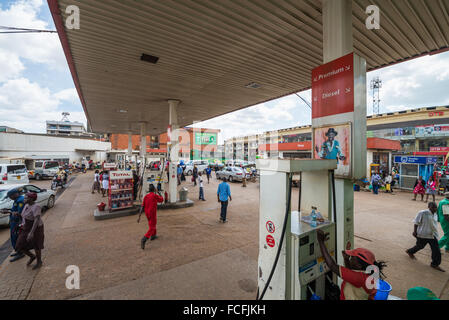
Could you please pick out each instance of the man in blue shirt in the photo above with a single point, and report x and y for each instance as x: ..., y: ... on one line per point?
x: 208, y: 173
x: 223, y: 193
x: 15, y: 219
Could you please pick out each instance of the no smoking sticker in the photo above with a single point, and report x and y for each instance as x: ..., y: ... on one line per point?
x: 270, y: 241
x: 270, y: 226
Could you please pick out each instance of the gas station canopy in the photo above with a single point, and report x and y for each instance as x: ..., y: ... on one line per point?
x: 220, y: 56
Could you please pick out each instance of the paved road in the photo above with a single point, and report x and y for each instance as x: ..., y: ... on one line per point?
x: 196, y: 257
x: 6, y: 248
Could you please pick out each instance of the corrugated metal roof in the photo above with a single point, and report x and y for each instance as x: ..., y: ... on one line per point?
x: 209, y: 51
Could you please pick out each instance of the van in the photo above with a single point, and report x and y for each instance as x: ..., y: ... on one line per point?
x: 13, y: 174
x: 45, y: 169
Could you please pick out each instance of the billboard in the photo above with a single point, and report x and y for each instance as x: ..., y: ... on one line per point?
x: 334, y: 142
x: 205, y: 138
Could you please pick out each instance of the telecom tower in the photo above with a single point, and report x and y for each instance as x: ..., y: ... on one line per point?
x: 65, y: 116
x: 376, y: 84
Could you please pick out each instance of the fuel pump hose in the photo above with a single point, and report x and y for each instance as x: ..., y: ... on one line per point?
x: 284, y: 227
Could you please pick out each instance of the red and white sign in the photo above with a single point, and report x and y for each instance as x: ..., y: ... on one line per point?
x: 270, y: 227
x: 439, y: 149
x: 109, y: 165
x: 333, y: 87
x: 436, y: 114
x: 270, y: 241
x: 118, y: 175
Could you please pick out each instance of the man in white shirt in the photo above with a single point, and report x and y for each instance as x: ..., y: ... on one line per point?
x: 200, y: 180
x: 426, y: 232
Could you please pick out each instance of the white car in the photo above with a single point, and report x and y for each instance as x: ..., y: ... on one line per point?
x: 13, y: 174
x: 200, y: 164
x: 45, y: 198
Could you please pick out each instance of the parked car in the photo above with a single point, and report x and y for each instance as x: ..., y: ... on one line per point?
x: 45, y: 198
x: 231, y: 174
x: 200, y: 164
x: 13, y: 174
x: 44, y: 169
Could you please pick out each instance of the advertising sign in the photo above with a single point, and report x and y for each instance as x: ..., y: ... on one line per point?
x: 334, y: 143
x: 445, y: 149
x: 432, y: 130
x: 415, y: 160
x: 204, y: 138
x: 333, y: 87
x: 119, y: 175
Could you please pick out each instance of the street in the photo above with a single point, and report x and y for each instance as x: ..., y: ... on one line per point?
x: 195, y: 256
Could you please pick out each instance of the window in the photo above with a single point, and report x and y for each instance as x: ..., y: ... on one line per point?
x: 50, y: 165
x: 38, y: 164
x: 16, y: 169
x: 32, y: 189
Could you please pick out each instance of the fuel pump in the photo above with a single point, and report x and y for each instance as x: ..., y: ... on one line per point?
x: 291, y: 266
x: 158, y: 178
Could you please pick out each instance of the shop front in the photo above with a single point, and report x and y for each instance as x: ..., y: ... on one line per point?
x: 411, y: 168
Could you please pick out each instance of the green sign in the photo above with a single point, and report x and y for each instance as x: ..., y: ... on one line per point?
x: 203, y: 138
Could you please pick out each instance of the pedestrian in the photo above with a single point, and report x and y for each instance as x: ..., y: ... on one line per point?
x: 375, y: 180
x: 96, y: 184
x: 194, y: 174
x: 105, y: 183
x: 31, y: 236
x: 388, y: 183
x: 15, y: 219
x: 223, y: 193
x: 431, y: 188
x: 357, y: 284
x: 443, y: 217
x: 200, y: 182
x: 208, y: 173
x: 419, y: 188
x: 179, y: 174
x: 426, y: 232
x: 135, y: 184
x: 149, y: 205
x: 183, y: 177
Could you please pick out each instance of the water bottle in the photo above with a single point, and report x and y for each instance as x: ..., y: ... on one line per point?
x: 313, y: 216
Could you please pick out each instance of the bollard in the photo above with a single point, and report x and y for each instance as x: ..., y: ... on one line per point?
x: 244, y: 182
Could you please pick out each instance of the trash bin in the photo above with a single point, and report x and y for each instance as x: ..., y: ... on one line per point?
x: 183, y: 194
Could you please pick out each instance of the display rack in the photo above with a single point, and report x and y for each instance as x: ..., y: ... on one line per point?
x: 120, y: 190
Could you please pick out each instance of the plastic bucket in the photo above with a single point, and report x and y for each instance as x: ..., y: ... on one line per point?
x: 101, y: 206
x: 384, y: 290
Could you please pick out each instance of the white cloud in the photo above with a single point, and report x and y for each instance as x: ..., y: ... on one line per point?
x: 42, y: 48
x: 10, y: 65
x: 26, y: 105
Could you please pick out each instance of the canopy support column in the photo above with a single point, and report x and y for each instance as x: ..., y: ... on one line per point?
x: 173, y: 150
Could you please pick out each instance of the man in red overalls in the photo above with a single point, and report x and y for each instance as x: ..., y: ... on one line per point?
x: 149, y: 204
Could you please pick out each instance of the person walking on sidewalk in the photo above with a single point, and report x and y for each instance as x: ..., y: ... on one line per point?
x: 200, y: 182
x: 431, y: 189
x: 32, y: 235
x: 15, y: 219
x: 194, y: 174
x: 223, y: 193
x: 443, y: 217
x: 105, y: 183
x: 96, y: 184
x: 426, y: 232
x: 179, y: 174
x: 149, y: 205
x: 419, y: 188
x: 208, y: 173
x: 375, y: 181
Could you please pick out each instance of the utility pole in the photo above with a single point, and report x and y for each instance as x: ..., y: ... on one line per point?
x: 376, y: 84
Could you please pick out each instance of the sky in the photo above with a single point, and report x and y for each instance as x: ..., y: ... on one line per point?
x: 36, y: 84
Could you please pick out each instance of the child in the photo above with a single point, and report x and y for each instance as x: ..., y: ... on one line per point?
x: 431, y: 188
x: 200, y: 181
x: 354, y: 273
x: 426, y: 232
x: 419, y: 188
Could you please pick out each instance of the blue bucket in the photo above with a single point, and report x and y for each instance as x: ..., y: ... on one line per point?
x: 384, y: 290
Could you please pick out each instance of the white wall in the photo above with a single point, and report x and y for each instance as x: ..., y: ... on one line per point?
x: 27, y: 145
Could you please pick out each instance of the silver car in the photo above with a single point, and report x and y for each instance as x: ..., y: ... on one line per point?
x: 231, y: 174
x: 45, y: 198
